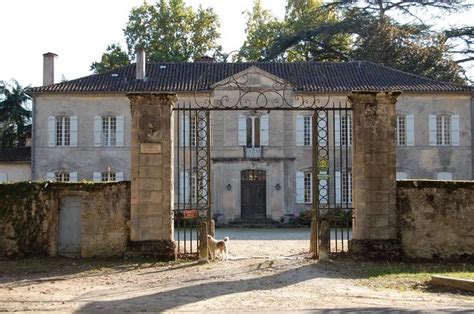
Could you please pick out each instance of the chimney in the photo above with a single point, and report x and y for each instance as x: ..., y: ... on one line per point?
x: 204, y: 58
x: 141, y: 64
x: 48, y: 68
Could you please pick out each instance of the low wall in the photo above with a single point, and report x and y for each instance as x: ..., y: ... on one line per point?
x: 436, y: 218
x: 29, y: 215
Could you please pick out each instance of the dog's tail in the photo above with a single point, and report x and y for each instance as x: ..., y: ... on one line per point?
x: 226, y: 239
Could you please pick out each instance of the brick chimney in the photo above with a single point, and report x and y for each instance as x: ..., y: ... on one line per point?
x: 141, y: 64
x: 48, y: 68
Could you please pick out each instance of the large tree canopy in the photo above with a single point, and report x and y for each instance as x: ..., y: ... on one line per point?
x: 168, y: 30
x: 375, y: 35
x: 15, y: 118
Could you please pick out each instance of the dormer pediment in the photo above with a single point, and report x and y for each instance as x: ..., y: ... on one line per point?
x: 253, y: 78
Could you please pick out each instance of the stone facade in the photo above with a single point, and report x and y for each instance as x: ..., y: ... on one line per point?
x: 15, y: 171
x: 29, y: 218
x: 281, y: 158
x: 436, y: 218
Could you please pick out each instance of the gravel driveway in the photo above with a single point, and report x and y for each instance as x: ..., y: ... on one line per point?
x: 267, y: 272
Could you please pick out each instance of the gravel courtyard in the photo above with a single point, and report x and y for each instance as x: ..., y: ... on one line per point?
x: 267, y: 271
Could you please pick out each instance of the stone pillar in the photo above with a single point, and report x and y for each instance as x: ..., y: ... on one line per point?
x: 374, y: 169
x: 151, y: 224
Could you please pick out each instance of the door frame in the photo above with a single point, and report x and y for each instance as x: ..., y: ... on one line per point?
x: 267, y: 214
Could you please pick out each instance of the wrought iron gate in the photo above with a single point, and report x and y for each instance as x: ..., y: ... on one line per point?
x: 192, y: 177
x: 332, y: 164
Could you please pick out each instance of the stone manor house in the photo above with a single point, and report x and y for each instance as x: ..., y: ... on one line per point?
x: 82, y: 129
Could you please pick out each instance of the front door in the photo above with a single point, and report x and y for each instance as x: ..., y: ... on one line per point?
x: 253, y: 194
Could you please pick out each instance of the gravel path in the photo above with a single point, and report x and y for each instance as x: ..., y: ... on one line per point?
x: 264, y: 273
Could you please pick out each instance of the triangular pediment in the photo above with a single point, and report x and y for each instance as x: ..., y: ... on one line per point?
x: 253, y: 78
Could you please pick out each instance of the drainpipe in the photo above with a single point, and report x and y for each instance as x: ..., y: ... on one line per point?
x: 472, y: 134
x: 33, y: 137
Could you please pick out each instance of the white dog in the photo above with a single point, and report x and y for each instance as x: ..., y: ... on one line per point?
x: 217, y: 245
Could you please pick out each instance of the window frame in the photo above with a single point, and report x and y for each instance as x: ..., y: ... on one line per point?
x: 63, y: 131
x: 443, y: 130
x: 109, y: 131
x: 401, y: 130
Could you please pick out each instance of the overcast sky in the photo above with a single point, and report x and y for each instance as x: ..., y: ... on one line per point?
x: 80, y: 30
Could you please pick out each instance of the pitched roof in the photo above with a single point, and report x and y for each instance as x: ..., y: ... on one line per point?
x: 12, y: 154
x: 307, y: 76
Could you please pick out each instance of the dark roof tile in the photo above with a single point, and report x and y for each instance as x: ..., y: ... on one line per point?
x: 307, y: 76
x: 15, y: 154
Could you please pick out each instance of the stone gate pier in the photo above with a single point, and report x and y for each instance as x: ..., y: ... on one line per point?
x: 374, y: 175
x: 152, y: 190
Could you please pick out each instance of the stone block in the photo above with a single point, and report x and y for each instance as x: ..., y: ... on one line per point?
x: 150, y: 148
x: 151, y: 160
x: 152, y: 184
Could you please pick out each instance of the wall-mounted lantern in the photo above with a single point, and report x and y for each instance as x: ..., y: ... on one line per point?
x: 277, y: 187
x: 228, y: 187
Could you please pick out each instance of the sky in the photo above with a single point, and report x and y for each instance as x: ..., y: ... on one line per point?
x: 78, y: 31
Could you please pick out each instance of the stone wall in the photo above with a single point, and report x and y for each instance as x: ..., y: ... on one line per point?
x: 436, y: 218
x: 29, y: 217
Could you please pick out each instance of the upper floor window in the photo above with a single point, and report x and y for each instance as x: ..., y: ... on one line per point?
x: 62, y: 131
x: 405, y: 130
x: 109, y: 131
x: 253, y: 131
x: 443, y: 130
x: 187, y: 130
x: 303, y: 130
x: 190, y: 187
x: 343, y: 129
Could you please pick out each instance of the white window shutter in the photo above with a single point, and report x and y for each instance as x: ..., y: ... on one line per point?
x: 97, y: 131
x: 264, y: 130
x: 51, y: 131
x: 410, y: 127
x: 120, y: 131
x: 432, y: 129
x: 242, y: 130
x: 444, y: 176
x: 455, y: 130
x: 184, y: 131
x: 338, y: 187
x: 184, y: 187
x: 50, y: 176
x: 311, y: 134
x: 119, y: 176
x: 402, y: 175
x: 3, y: 177
x: 337, y: 129
x: 299, y: 130
x: 74, y: 127
x: 73, y: 177
x: 97, y: 177
x: 300, y: 187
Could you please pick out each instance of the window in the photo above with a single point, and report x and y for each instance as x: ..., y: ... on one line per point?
x: 400, y: 130
x: 307, y: 130
x: 253, y: 132
x: 343, y: 129
x: 303, y: 130
x: 307, y: 187
x: 62, y: 176
x: 193, y: 131
x: 187, y: 130
x: 63, y: 131
x: 443, y: 130
x: 108, y: 176
x: 109, y: 131
x: 304, y: 187
x: 347, y: 187
x: 346, y: 128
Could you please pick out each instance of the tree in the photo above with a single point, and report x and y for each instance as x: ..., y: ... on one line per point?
x: 168, y: 31
x: 263, y: 30
x: 376, y: 36
x: 15, y: 118
x: 113, y: 57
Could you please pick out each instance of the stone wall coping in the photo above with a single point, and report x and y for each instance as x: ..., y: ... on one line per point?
x: 424, y: 183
